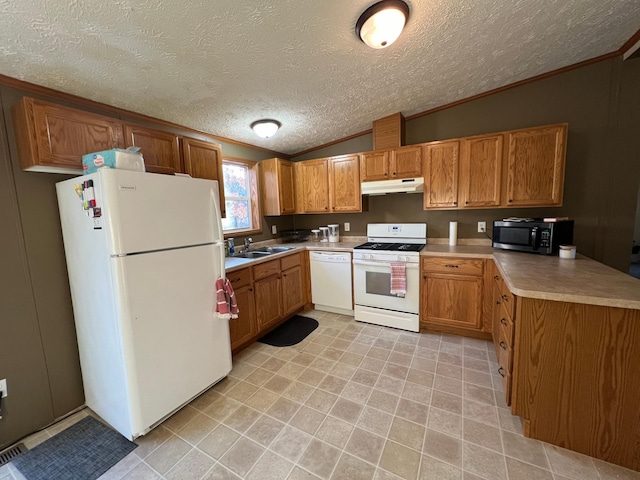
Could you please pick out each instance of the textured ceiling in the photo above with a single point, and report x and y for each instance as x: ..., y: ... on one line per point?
x: 217, y: 65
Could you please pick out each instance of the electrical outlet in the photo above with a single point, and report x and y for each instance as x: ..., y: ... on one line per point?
x: 3, y: 387
x: 482, y: 227
x: 347, y: 227
x: 274, y: 229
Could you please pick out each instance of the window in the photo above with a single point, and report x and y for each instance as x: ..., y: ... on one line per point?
x: 241, y: 196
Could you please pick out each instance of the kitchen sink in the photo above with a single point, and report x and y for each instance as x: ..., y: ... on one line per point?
x: 272, y: 249
x: 252, y: 254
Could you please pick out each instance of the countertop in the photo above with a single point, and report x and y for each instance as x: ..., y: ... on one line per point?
x: 582, y: 280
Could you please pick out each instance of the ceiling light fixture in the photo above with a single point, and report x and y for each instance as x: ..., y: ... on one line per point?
x: 381, y: 24
x: 266, y: 128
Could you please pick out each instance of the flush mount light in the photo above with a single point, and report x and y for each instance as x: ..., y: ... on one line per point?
x: 381, y: 24
x: 266, y: 128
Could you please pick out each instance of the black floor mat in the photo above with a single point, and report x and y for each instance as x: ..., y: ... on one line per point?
x: 290, y: 332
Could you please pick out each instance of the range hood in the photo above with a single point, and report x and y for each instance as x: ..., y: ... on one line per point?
x: 403, y: 185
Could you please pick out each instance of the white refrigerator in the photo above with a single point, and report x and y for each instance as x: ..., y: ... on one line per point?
x: 143, y: 253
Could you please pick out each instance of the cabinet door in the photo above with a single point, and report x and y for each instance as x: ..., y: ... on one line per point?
x: 161, y: 150
x: 452, y: 301
x: 315, y: 185
x: 53, y: 136
x: 441, y: 175
x: 535, y: 166
x: 292, y: 290
x: 204, y: 160
x: 277, y: 179
x: 344, y: 184
x: 268, y: 294
x: 286, y: 189
x: 406, y: 162
x: 375, y: 166
x: 481, y: 171
x: 245, y: 327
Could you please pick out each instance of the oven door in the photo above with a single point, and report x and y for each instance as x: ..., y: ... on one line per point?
x: 372, y: 286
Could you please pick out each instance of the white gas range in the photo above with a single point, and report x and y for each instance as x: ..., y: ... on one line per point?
x: 390, y: 244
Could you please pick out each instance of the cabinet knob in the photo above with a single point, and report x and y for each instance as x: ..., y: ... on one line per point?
x: 510, y: 200
x: 496, y: 277
x: 455, y: 203
x: 451, y: 266
x: 334, y: 208
x: 503, y: 345
x: 505, y: 298
x: 251, y: 289
x: 326, y: 208
x: 385, y: 174
x: 394, y: 174
x: 503, y: 321
x: 497, y: 302
x: 466, y: 203
x: 424, y: 277
x: 502, y: 372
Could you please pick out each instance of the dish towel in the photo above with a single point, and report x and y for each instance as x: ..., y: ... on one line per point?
x: 226, y: 304
x: 398, y: 279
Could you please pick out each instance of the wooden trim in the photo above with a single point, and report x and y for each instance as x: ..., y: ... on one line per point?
x: 629, y: 43
x: 254, y: 194
x: 340, y: 140
x: 103, y: 107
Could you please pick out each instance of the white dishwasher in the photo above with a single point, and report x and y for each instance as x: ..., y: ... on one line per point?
x: 331, y: 281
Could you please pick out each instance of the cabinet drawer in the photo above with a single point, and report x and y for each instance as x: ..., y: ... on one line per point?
x: 291, y: 261
x: 240, y: 278
x: 508, y: 300
x: 457, y: 266
x: 505, y: 353
x: 506, y: 324
x: 266, y: 269
x: 506, y: 384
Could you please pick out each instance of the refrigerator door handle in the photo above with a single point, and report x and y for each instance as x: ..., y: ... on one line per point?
x: 218, y: 220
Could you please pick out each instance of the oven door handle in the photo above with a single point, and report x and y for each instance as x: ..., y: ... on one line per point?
x: 383, y: 264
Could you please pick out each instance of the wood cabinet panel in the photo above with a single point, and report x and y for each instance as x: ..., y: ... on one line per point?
x: 291, y: 261
x: 535, y: 166
x: 406, y: 162
x: 278, y: 191
x: 374, y: 166
x: 344, y: 184
x: 244, y: 328
x: 481, y: 171
x: 389, y: 132
x: 266, y: 269
x: 52, y: 136
x: 268, y: 299
x: 575, y: 376
x: 441, y: 174
x: 204, y: 160
x: 292, y: 290
x: 452, y: 301
x: 315, y: 185
x: 240, y: 278
x: 161, y: 150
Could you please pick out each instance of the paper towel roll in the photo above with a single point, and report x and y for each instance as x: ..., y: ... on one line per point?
x: 453, y: 233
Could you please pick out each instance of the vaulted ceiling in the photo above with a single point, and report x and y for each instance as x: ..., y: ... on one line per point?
x: 218, y: 65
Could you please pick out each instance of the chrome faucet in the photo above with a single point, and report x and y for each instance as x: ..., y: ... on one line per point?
x: 247, y: 243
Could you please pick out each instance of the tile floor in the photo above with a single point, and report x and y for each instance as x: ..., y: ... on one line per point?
x: 352, y: 401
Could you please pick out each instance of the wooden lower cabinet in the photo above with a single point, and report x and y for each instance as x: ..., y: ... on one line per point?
x: 452, y: 296
x: 267, y: 294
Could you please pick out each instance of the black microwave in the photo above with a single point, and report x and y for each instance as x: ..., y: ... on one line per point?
x: 534, y: 236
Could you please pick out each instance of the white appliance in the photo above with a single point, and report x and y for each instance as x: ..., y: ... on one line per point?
x: 388, y: 243
x: 143, y: 258
x: 402, y: 185
x: 331, y: 281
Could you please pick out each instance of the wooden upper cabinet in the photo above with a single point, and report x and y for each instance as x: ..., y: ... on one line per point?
x: 315, y: 185
x: 344, y: 184
x: 54, y: 138
x: 204, y: 160
x: 374, y: 166
x: 480, y: 171
x: 535, y: 166
x: 278, y: 192
x: 406, y: 162
x: 161, y: 150
x: 441, y: 174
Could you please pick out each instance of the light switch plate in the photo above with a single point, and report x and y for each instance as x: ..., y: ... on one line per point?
x: 3, y: 387
x: 482, y: 227
x: 274, y: 229
x: 347, y: 227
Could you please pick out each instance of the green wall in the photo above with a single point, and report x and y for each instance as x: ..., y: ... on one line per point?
x: 600, y: 103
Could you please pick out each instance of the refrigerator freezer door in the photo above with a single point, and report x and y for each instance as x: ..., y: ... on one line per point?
x: 173, y: 343
x: 147, y: 212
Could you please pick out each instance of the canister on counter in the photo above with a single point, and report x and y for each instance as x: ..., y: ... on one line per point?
x: 324, y: 234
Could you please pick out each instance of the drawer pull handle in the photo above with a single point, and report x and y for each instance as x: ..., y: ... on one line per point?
x: 496, y: 277
x: 503, y: 345
x: 502, y: 372
x: 504, y: 321
x: 451, y: 266
x: 505, y: 298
